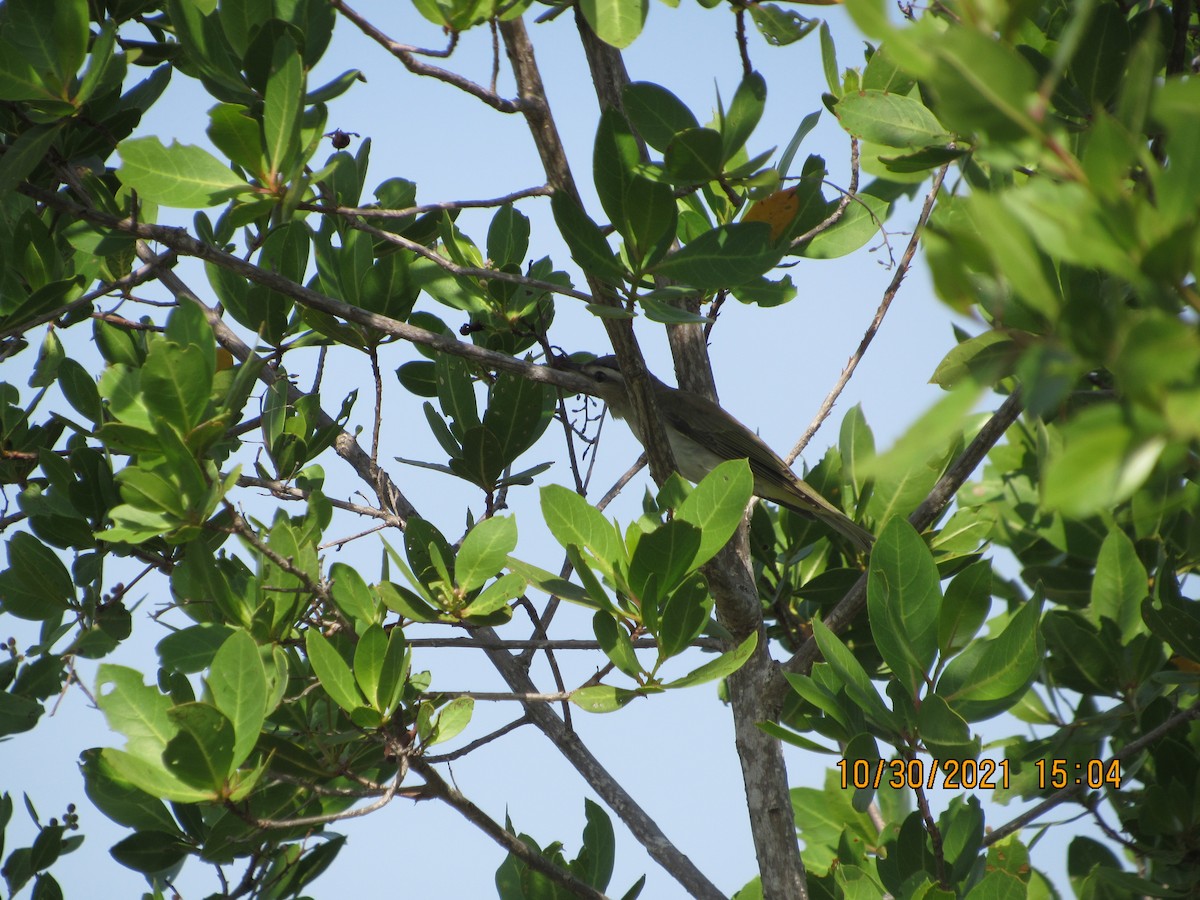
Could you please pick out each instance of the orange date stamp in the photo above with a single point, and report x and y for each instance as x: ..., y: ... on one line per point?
x: 920, y: 774
x: 975, y: 775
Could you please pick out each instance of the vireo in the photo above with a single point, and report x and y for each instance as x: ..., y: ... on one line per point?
x: 703, y: 435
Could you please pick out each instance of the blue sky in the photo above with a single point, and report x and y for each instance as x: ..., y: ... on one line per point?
x: 773, y: 367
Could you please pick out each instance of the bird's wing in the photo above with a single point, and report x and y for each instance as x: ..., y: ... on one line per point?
x: 728, y: 438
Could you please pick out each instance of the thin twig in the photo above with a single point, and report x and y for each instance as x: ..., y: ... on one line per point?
x: 377, y: 382
x: 504, y: 696
x: 646, y: 643
x: 124, y: 283
x: 285, y: 491
x: 478, y: 742
x: 373, y: 212
x: 1068, y: 793
x: 897, y: 279
x: 843, y: 203
x: 743, y: 46
x: 855, y: 600
x: 339, y: 543
x: 305, y: 821
x: 406, y: 55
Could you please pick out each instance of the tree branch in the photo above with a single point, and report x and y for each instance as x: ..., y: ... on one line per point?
x: 405, y: 54
x: 1070, y: 792
x: 641, y: 826
x: 510, y: 842
x: 850, y: 606
x: 888, y: 296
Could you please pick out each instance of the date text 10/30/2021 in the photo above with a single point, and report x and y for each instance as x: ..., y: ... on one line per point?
x: 975, y: 775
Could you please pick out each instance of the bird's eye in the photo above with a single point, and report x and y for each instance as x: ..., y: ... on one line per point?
x: 600, y: 376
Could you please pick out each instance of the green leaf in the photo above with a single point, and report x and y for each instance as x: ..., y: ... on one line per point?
x: 119, y: 800
x: 1120, y: 585
x: 906, y: 472
x: 331, y: 669
x: 894, y: 120
x: 1014, y: 253
x: 192, y: 649
x: 693, y: 156
x: 650, y: 220
x: 393, y: 673
x: 944, y: 732
x: 780, y: 26
x: 860, y: 222
x: 965, y: 607
x: 727, y: 255
x: 151, y: 777
x: 456, y: 393
x: 549, y: 582
x: 684, y: 616
x: 852, y: 674
x: 1099, y: 62
x: 725, y: 664
x: 454, y: 717
x: 25, y: 154
x: 150, y: 851
x: 496, y: 595
x: 904, y: 600
x: 518, y: 413
x: 79, y: 389
x: 53, y: 39
x: 616, y: 22
x: 176, y: 383
x: 572, y: 520
x: 614, y: 641
x: 352, y: 595
x: 421, y: 541
x: 601, y: 698
x: 484, y: 551
x: 666, y: 555
x: 1101, y: 463
x: 745, y: 111
x: 36, y: 585
x: 238, y: 683
x: 181, y: 175
x: 201, y: 753
x: 1178, y: 184
x: 594, y: 865
x: 404, y: 602
x: 585, y: 240
x: 715, y: 506
x: 990, y: 676
x: 369, y: 655
x: 1177, y: 624
x: 982, y: 85
x: 282, y: 107
x: 482, y: 461
x: 656, y: 113
x: 508, y: 237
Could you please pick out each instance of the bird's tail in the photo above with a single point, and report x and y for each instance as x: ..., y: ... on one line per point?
x: 804, y: 500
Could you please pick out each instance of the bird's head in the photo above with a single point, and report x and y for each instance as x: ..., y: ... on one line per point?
x: 608, y: 383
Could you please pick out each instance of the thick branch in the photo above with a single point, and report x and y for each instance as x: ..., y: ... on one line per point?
x: 558, y: 175
x: 506, y: 839
x: 179, y: 240
x: 641, y: 826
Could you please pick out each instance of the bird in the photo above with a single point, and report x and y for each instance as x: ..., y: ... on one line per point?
x: 703, y: 435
